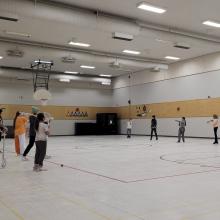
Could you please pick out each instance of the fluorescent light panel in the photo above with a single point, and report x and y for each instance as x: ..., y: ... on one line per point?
x: 64, y: 80
x: 147, y: 7
x: 43, y: 61
x: 132, y: 52
x: 106, y: 83
x: 172, y: 58
x: 79, y: 44
x: 18, y: 34
x: 104, y: 75
x: 87, y: 67
x: 212, y: 23
x: 71, y: 72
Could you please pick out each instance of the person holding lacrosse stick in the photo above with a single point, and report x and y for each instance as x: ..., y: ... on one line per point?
x: 181, y: 131
x: 215, y: 124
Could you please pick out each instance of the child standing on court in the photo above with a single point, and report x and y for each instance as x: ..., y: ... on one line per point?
x: 215, y: 124
x: 181, y: 132
x: 129, y: 127
x: 42, y: 131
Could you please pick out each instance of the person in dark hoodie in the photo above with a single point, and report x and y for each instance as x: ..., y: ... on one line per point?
x: 153, y: 127
x: 32, y: 132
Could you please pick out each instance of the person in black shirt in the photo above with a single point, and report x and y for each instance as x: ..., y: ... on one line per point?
x: 32, y: 132
x: 1, y: 126
x: 153, y: 127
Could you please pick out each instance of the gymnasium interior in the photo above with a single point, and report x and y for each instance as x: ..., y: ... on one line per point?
x: 131, y: 93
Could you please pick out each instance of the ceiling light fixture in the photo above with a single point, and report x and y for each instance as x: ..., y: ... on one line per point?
x: 87, y: 67
x: 104, y: 75
x: 163, y: 41
x: 147, y: 7
x: 18, y: 34
x: 212, y: 23
x: 71, y: 72
x: 64, y: 80
x: 79, y: 44
x: 172, y: 58
x: 132, y: 52
x: 1, y: 57
x: 43, y: 62
x: 106, y: 83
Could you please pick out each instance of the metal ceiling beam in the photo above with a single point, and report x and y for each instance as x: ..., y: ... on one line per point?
x: 91, y: 52
x: 143, y: 24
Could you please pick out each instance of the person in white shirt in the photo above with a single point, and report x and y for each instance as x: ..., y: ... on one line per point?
x: 129, y: 127
x: 215, y: 124
x: 42, y: 131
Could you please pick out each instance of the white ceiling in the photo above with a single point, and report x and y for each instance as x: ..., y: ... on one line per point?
x: 182, y: 15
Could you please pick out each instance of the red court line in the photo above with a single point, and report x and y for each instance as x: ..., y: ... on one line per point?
x: 171, y: 176
x: 133, y: 181
x: 188, y: 163
x: 86, y: 171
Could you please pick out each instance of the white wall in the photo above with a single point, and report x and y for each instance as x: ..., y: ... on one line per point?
x: 191, y: 79
x: 186, y: 80
x: 16, y: 92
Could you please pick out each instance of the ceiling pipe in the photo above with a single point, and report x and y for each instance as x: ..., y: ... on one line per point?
x: 180, y: 33
x: 27, y: 74
x: 131, y: 25
x: 94, y: 56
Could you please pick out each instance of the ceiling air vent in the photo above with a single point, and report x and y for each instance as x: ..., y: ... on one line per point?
x: 68, y: 59
x: 155, y: 69
x: 182, y: 46
x: 122, y: 36
x: 15, y: 53
x: 8, y: 16
x: 115, y: 64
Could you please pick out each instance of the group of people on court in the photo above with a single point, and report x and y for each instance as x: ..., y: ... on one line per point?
x: 181, y: 128
x: 37, y: 128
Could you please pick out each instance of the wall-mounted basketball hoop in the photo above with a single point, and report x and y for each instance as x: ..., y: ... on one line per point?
x: 42, y: 95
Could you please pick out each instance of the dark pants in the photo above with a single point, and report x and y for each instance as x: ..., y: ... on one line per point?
x: 181, y: 134
x: 128, y: 132
x: 216, y: 136
x: 153, y: 130
x: 41, y: 148
x: 30, y: 145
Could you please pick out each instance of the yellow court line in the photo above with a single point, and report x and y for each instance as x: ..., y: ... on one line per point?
x: 80, y: 204
x: 13, y: 211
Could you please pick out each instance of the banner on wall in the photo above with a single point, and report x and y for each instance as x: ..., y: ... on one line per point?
x: 76, y: 113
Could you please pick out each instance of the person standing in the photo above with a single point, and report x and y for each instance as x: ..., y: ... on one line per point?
x: 215, y: 124
x: 32, y: 132
x: 42, y: 131
x: 1, y: 126
x: 17, y: 146
x: 20, y: 130
x: 153, y: 127
x: 181, y: 131
x: 129, y: 127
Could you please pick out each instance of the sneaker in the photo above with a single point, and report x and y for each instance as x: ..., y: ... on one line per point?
x: 36, y: 168
x: 24, y: 158
x: 42, y: 169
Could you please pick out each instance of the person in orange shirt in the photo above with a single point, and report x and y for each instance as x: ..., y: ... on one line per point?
x: 20, y: 130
